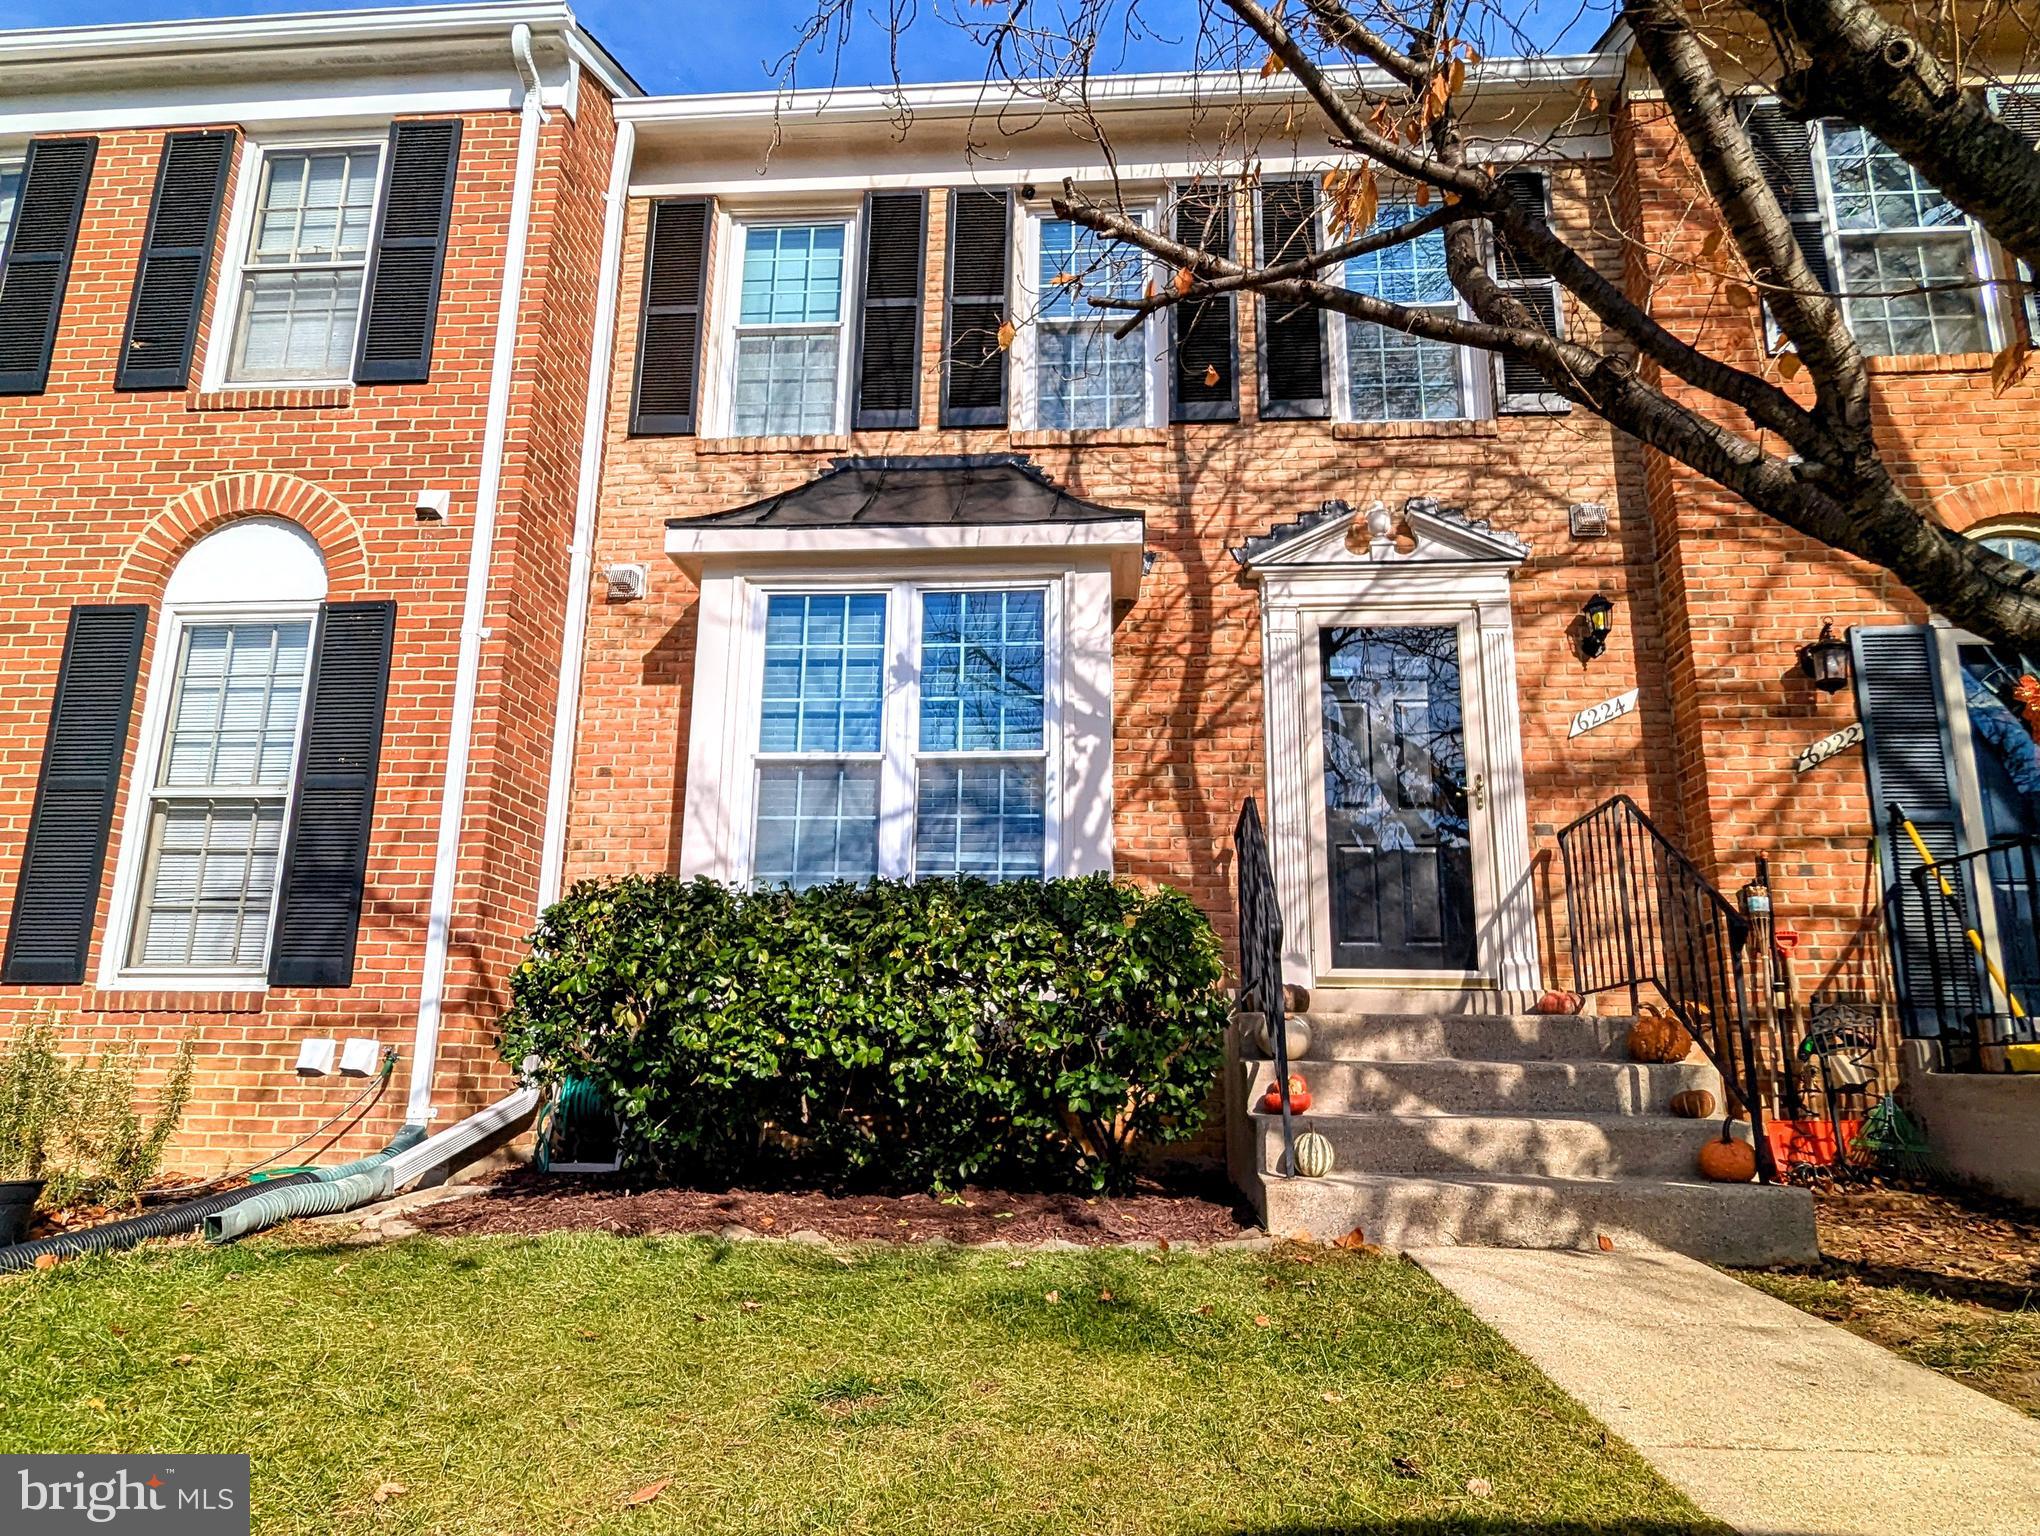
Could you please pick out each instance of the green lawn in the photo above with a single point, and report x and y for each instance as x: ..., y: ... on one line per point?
x: 533, y: 1385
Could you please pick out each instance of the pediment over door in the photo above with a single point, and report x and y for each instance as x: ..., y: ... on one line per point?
x: 1337, y: 537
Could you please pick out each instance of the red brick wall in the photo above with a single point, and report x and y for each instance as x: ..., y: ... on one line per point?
x: 100, y: 491
x: 1187, y: 656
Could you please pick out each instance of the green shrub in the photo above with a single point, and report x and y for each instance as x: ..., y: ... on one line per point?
x: 75, y: 1124
x: 922, y: 1034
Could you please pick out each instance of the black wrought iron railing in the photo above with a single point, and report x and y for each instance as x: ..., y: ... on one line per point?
x: 1261, y: 956
x: 1976, y: 919
x: 1641, y: 916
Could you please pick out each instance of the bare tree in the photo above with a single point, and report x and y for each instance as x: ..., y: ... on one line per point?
x: 1384, y: 85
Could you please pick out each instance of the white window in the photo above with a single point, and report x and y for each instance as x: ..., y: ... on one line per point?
x: 1389, y: 375
x: 955, y: 759
x: 1083, y: 376
x: 1910, y: 263
x: 297, y: 301
x: 789, y: 328
x: 196, y: 888
x: 10, y: 191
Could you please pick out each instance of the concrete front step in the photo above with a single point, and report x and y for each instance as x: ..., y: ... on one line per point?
x: 1524, y: 1087
x: 1741, y: 1224
x: 1462, y: 1037
x: 1551, y: 1146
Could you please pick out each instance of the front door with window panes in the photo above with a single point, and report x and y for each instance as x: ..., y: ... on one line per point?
x: 903, y: 731
x: 299, y: 302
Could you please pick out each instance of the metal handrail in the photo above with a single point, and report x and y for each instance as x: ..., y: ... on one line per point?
x: 1984, y: 993
x: 1641, y: 914
x: 1261, y: 957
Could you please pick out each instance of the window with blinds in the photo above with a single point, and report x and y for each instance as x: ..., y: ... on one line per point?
x: 298, y: 303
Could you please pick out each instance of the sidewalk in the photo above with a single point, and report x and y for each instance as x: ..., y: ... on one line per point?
x: 1776, y: 1422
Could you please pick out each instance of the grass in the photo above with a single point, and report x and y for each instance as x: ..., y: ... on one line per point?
x: 520, y: 1385
x: 1993, y: 1350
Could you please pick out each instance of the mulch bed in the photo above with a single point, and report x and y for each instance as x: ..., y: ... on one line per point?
x: 1959, y: 1244
x: 526, y: 1202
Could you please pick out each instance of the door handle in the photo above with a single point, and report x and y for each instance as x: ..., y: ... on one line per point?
x: 1480, y: 791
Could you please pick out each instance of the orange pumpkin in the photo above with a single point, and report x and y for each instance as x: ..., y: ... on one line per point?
x: 1728, y: 1161
x: 1693, y: 1104
x: 1299, y: 1096
x: 1558, y: 1002
x: 1656, y: 1038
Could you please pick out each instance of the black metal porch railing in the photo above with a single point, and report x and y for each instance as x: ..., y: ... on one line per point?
x: 1977, y: 917
x: 1642, y: 915
x: 1261, y: 956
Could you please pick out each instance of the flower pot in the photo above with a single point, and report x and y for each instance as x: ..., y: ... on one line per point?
x: 17, y: 1205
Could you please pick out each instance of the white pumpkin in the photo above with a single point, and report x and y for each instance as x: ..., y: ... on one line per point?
x: 1295, y: 1032
x: 1313, y: 1155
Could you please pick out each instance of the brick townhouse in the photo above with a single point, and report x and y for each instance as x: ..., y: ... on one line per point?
x: 295, y: 331
x: 850, y: 580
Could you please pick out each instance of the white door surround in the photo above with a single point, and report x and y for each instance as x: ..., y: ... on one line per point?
x: 1456, y: 573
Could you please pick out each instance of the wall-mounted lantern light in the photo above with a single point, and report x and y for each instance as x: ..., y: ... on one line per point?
x: 1597, y: 618
x: 1826, y: 661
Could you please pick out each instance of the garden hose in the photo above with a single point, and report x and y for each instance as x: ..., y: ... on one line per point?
x: 114, y: 1236
x: 328, y: 1190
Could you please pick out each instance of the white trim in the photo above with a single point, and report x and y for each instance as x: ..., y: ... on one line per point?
x: 717, y: 834
x: 114, y: 974
x: 1114, y: 542
x: 581, y: 548
x: 1457, y: 573
x: 475, y: 607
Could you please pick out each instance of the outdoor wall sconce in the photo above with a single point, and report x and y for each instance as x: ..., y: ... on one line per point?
x: 1826, y: 661
x: 1597, y: 618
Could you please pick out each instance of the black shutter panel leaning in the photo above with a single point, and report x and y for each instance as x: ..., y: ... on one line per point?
x: 184, y: 216
x: 407, y: 254
x: 1293, y: 351
x: 64, y: 856
x: 1907, y: 754
x: 325, y: 861
x: 667, y: 390
x: 1784, y: 151
x: 889, y: 330
x: 973, y: 362
x: 1203, y: 350
x: 36, y: 264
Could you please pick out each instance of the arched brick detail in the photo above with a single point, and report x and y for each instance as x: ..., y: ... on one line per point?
x: 203, y: 509
x: 1988, y: 500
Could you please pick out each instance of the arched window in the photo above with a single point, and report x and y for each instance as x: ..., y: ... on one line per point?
x: 218, y: 757
x: 2015, y: 541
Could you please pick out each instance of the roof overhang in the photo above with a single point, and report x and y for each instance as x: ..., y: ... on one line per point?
x: 1117, y: 543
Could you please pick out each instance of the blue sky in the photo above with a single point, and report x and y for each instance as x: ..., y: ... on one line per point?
x: 733, y: 45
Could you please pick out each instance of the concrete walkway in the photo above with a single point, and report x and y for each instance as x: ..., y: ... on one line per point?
x: 1774, y: 1421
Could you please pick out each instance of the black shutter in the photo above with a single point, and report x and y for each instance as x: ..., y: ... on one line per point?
x: 666, y: 393
x: 1293, y: 351
x: 2020, y: 111
x: 1201, y: 338
x: 889, y: 330
x: 318, y: 897
x: 36, y: 264
x: 1519, y: 387
x: 973, y: 362
x: 184, y: 216
x: 1784, y: 151
x: 1908, y: 755
x: 65, y: 853
x: 1529, y: 191
x: 407, y: 254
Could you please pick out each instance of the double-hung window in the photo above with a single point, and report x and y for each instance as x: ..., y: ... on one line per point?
x: 1392, y: 376
x: 1910, y: 266
x: 298, y: 301
x: 10, y: 193
x: 1084, y: 376
x: 789, y: 338
x: 903, y: 730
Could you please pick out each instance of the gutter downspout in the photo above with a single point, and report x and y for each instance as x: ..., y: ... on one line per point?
x: 481, y: 551
x: 581, y: 552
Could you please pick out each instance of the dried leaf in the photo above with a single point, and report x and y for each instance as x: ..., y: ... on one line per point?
x: 1455, y: 77
x: 1263, y: 1320
x: 649, y: 1492
x: 753, y: 1306
x: 1711, y: 246
x: 1789, y: 365
x: 1479, y: 1487
x: 1740, y: 296
x: 386, y: 1490
x: 1105, y: 1295
x: 1006, y: 334
x: 2010, y: 367
x: 96, y: 1402
x: 1353, y: 1239
x: 1607, y: 1243
x: 1332, y: 1397
x: 1150, y: 290
x: 1062, y: 279
x: 1271, y: 66
x: 1184, y: 278
x: 1423, y: 194
x: 1016, y: 1263
x: 1051, y: 1297
x: 586, y: 1333
x: 184, y: 1360
x: 1210, y: 382
x: 46, y: 1261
